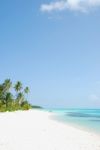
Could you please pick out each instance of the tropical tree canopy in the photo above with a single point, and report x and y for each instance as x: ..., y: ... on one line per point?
x: 11, y: 102
x: 26, y: 90
x: 7, y: 85
x: 18, y: 86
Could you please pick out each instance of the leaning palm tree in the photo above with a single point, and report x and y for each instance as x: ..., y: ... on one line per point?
x: 7, y: 85
x: 26, y: 91
x: 20, y: 98
x: 4, y: 89
x: 18, y: 86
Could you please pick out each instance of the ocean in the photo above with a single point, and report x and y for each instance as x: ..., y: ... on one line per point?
x: 88, y: 119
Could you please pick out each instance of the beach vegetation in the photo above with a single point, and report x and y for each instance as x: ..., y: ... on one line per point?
x: 13, y: 97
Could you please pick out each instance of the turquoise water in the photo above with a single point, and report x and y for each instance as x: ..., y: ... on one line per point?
x: 81, y: 118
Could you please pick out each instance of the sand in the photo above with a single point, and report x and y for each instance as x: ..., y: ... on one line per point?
x: 35, y: 130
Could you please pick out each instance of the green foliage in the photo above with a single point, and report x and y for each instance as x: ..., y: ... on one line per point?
x: 10, y: 102
x: 26, y: 90
x: 25, y: 105
x: 18, y: 86
x: 20, y: 98
x: 7, y: 85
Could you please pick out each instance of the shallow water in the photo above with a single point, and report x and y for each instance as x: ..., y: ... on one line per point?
x: 82, y: 118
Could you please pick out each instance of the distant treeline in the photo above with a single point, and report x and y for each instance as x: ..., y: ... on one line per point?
x: 37, y: 107
x: 13, y: 97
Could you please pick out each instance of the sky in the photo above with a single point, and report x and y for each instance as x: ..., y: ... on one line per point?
x: 52, y: 46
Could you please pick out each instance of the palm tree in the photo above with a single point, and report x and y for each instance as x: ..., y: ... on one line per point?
x: 20, y: 98
x: 8, y: 98
x: 18, y: 86
x: 7, y: 85
x: 26, y: 90
x: 4, y: 89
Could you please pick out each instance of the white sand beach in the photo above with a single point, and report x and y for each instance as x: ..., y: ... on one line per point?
x: 35, y: 130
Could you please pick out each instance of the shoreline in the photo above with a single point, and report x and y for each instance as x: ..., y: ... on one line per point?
x: 35, y: 129
x: 74, y: 125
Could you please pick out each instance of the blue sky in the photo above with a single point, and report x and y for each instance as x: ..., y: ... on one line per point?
x: 54, y: 48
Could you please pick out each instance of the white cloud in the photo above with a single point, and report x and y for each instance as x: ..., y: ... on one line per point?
x: 74, y: 5
x: 60, y: 5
